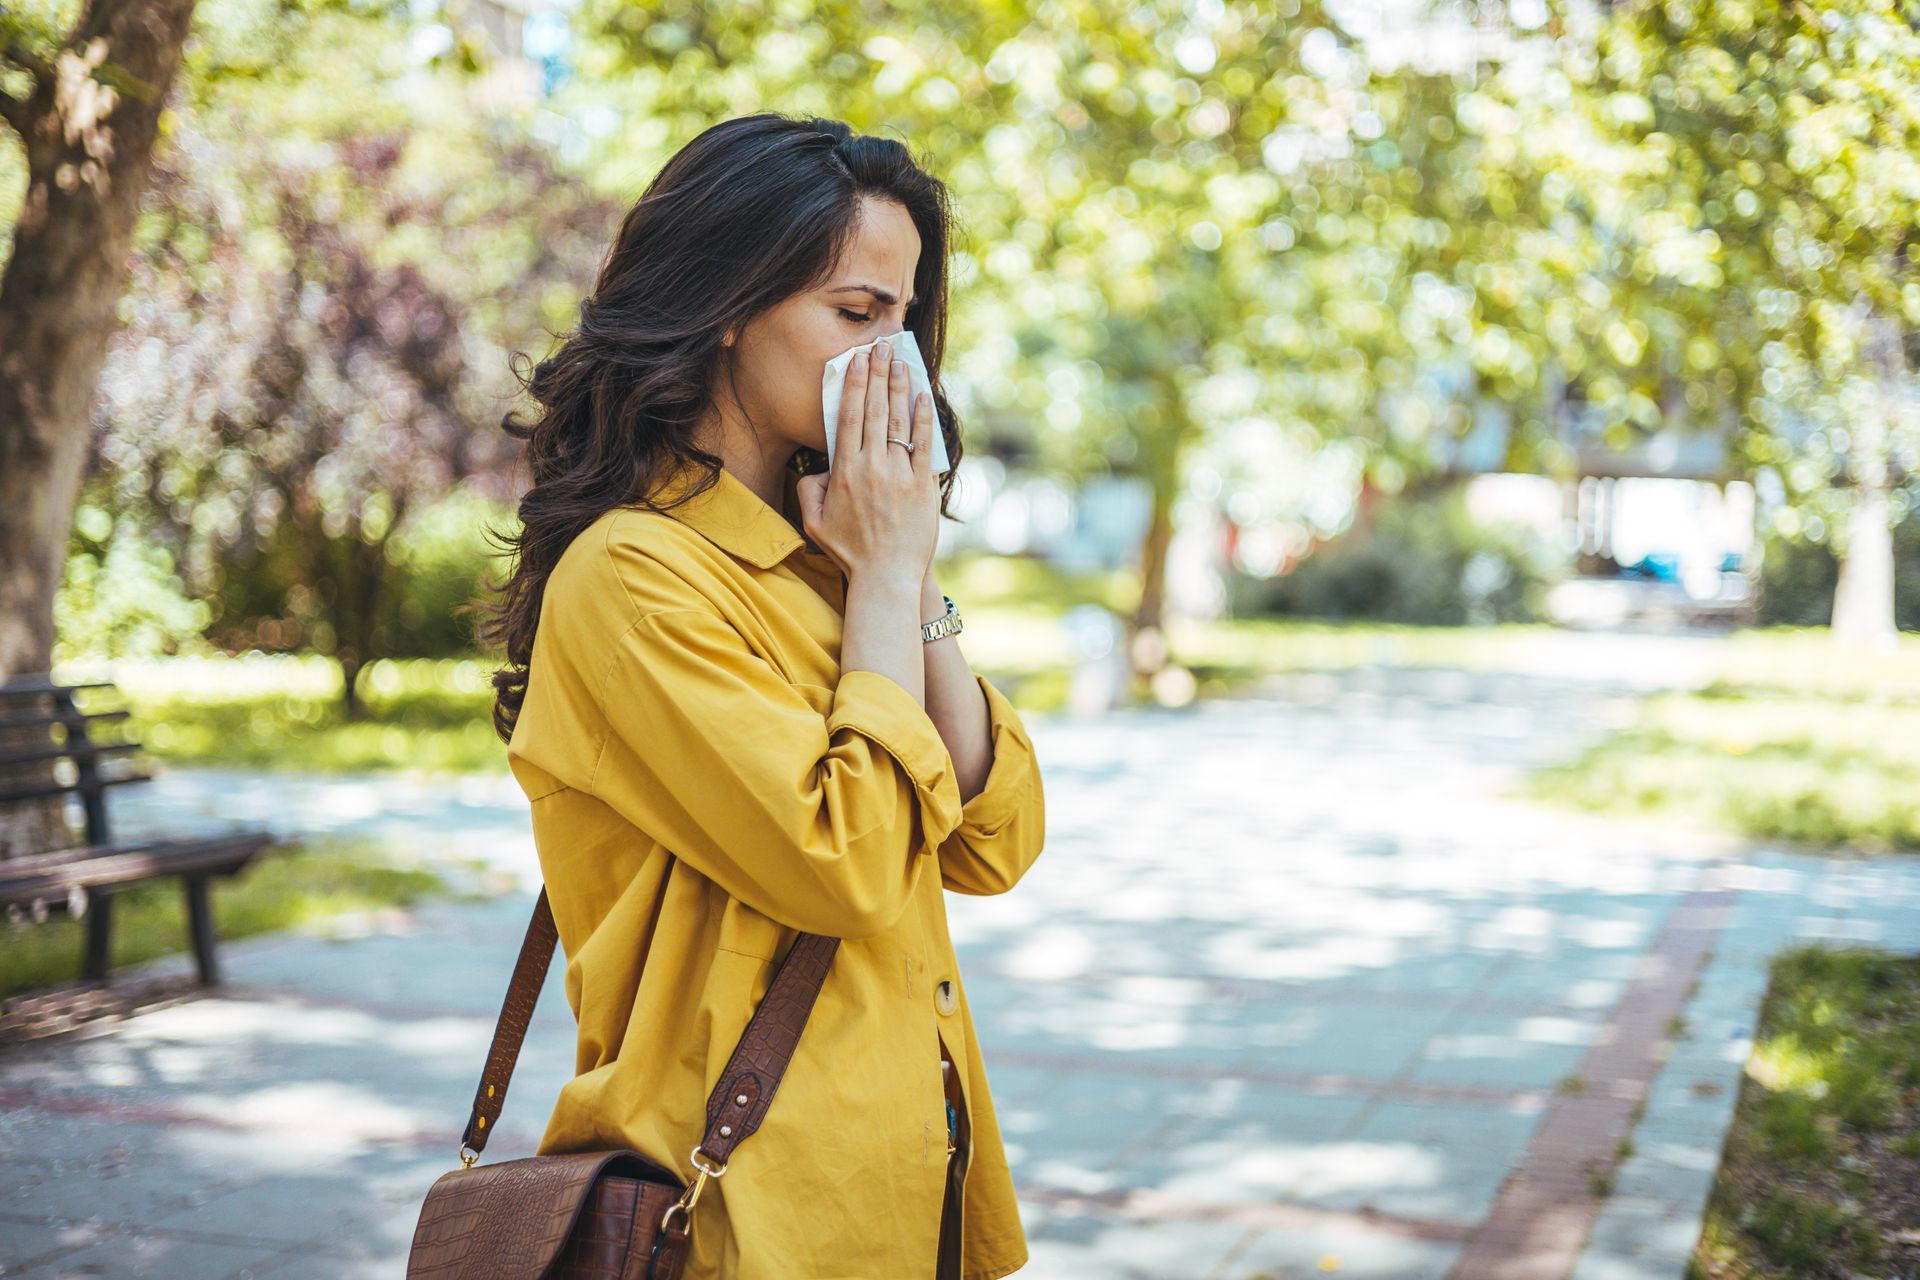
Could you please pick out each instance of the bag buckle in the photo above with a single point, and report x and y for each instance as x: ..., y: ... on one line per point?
x: 685, y: 1203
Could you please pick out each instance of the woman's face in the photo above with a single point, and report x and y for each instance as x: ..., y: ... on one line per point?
x: 781, y: 354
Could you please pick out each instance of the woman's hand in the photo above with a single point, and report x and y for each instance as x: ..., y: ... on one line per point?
x: 876, y: 513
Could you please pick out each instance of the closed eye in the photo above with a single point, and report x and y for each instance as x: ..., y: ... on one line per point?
x: 857, y: 319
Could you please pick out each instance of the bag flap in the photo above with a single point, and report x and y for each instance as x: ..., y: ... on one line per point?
x: 511, y: 1219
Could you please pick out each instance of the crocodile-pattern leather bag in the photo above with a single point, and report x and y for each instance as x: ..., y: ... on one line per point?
x: 599, y: 1215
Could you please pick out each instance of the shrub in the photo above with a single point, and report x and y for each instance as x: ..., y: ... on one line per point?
x: 1423, y: 560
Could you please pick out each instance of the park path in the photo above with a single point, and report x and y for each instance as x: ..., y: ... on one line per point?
x: 1295, y: 990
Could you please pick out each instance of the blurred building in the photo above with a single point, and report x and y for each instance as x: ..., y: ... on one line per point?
x: 1660, y: 526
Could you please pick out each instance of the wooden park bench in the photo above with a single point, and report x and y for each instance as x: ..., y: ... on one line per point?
x: 47, y: 748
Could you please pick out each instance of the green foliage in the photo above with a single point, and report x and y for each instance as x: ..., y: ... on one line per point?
x: 1708, y: 214
x: 121, y: 595
x: 442, y: 560
x: 1419, y: 561
x: 291, y: 885
x: 303, y: 408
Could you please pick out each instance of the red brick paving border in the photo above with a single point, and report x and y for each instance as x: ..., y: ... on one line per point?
x: 1539, y: 1223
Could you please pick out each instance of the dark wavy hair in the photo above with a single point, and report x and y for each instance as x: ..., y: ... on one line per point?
x: 749, y: 213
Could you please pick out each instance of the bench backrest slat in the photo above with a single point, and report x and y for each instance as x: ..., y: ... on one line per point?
x: 30, y: 762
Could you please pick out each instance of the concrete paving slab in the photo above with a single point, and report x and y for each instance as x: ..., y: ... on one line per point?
x: 1254, y: 1151
x: 1364, y: 1040
x: 1073, y: 1246
x: 159, y: 1256
x: 1494, y: 1051
x: 27, y: 1240
x: 1358, y: 1252
x: 1419, y: 1160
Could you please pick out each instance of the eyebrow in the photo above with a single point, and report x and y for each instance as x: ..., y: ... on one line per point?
x: 885, y: 298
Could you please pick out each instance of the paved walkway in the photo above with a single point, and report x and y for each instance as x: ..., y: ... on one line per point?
x: 1295, y: 990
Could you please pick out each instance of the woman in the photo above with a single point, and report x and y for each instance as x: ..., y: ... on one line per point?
x: 731, y: 727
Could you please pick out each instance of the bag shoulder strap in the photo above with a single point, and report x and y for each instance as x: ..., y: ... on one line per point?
x: 746, y: 1086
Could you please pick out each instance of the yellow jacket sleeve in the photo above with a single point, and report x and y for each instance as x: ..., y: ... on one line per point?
x: 816, y: 822
x: 1002, y: 828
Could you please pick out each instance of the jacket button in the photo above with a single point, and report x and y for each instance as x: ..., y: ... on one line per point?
x: 945, y: 997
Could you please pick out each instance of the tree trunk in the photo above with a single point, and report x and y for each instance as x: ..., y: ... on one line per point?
x: 350, y: 664
x: 88, y: 127
x: 1863, y: 597
x: 87, y: 124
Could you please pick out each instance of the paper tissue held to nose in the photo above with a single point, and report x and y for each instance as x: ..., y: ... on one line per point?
x: 904, y: 348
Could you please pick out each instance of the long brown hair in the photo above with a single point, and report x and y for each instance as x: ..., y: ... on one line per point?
x: 749, y: 213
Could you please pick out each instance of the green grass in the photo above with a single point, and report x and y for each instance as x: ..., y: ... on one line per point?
x: 1826, y: 1134
x: 1795, y: 740
x: 291, y: 885
x: 284, y: 711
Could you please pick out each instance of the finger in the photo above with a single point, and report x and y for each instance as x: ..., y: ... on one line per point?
x: 900, y: 406
x: 923, y: 435
x: 876, y: 411
x: 850, y: 423
x: 811, y: 492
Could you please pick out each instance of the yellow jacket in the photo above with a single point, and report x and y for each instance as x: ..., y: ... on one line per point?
x: 705, y: 783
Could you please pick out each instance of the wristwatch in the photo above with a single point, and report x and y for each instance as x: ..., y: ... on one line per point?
x: 947, y: 624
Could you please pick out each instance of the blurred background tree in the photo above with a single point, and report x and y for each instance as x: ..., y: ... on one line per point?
x: 1713, y: 212
x: 326, y: 304
x: 1187, y: 235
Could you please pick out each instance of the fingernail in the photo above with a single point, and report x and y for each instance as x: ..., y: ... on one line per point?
x: 882, y: 351
x: 899, y: 366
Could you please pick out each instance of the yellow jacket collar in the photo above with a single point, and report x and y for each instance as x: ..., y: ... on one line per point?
x: 732, y: 517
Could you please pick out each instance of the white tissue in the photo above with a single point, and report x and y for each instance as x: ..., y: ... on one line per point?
x: 904, y: 348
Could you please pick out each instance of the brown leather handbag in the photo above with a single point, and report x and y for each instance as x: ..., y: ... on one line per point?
x: 599, y: 1215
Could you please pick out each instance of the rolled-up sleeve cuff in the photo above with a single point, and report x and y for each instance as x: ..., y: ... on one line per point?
x: 1010, y: 781
x: 881, y: 708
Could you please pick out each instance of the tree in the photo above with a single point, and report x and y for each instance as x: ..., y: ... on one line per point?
x: 87, y: 121
x: 1714, y: 206
x: 324, y: 297
x: 1178, y: 222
